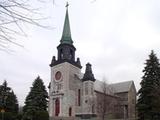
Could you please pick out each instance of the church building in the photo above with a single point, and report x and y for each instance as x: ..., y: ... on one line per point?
x: 74, y: 95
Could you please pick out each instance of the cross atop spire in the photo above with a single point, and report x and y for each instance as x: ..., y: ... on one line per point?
x: 66, y: 36
x: 67, y: 4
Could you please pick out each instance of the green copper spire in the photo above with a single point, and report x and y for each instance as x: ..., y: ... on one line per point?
x: 66, y: 36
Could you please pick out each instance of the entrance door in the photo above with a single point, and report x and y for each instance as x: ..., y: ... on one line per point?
x: 57, y: 107
x: 70, y: 111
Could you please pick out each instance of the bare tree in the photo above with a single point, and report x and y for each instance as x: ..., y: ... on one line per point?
x: 106, y: 101
x: 102, y: 101
x: 14, y: 14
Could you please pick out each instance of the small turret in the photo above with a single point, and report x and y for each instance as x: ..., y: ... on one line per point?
x: 88, y: 103
x: 78, y: 61
x: 53, y: 60
x: 88, y: 75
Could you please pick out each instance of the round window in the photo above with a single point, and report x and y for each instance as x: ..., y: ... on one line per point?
x: 58, y: 75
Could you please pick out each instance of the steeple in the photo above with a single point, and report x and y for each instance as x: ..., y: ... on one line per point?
x: 66, y: 49
x: 66, y: 35
x: 88, y: 75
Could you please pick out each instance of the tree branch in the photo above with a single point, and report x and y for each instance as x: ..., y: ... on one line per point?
x: 13, y: 14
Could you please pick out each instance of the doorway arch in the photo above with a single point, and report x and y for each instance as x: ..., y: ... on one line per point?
x: 70, y: 111
x: 57, y: 107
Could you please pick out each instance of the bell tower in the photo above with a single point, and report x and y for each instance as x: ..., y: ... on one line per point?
x: 66, y: 49
x: 64, y: 69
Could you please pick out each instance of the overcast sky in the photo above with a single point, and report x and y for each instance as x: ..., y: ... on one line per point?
x: 115, y: 36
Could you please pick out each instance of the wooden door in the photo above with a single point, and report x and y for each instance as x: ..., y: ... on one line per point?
x: 57, y: 107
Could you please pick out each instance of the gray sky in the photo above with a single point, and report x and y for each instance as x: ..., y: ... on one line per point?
x: 115, y: 36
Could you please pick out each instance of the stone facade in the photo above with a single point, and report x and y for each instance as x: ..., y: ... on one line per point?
x: 77, y: 96
x: 128, y: 100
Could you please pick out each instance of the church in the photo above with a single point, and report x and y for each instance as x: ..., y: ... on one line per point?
x: 74, y: 95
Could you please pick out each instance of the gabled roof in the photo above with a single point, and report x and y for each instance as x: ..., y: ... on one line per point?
x: 122, y: 86
x: 111, y: 88
x: 114, y: 88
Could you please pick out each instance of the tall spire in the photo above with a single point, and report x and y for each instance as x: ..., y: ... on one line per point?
x: 66, y: 49
x: 66, y: 36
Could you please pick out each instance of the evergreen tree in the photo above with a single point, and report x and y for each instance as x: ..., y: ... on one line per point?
x: 36, y: 100
x: 8, y: 102
x: 148, y: 105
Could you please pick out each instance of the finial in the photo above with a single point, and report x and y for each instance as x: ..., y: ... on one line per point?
x: 67, y: 4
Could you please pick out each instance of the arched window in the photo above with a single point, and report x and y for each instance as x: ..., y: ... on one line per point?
x: 71, y: 55
x: 70, y: 111
x: 79, y: 97
x: 86, y: 88
x: 61, y: 54
x: 92, y: 108
x: 57, y: 107
x: 92, y: 89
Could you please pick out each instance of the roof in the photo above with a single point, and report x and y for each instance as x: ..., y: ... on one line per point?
x: 114, y: 88
x: 99, y: 85
x: 88, y: 75
x: 122, y: 86
x: 111, y: 88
